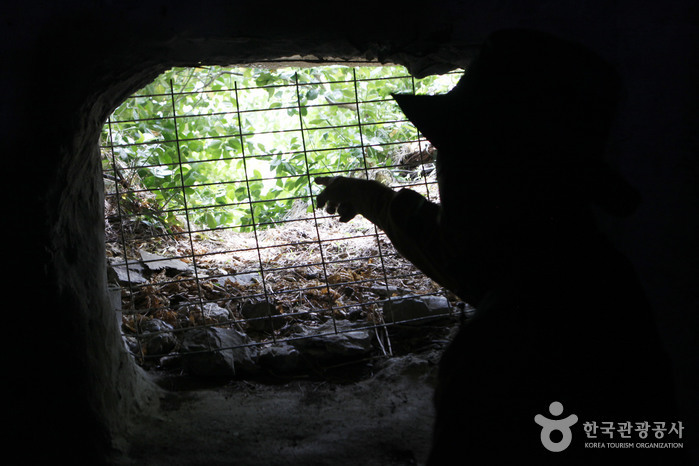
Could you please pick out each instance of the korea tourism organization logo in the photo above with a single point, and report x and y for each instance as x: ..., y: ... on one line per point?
x: 607, y: 434
x: 560, y: 425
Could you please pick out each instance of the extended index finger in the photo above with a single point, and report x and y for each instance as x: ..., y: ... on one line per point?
x: 324, y: 180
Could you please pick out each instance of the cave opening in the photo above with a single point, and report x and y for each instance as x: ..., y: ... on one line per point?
x: 220, y: 265
x: 236, y: 295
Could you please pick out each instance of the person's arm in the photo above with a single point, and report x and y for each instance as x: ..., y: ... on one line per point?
x: 409, y: 220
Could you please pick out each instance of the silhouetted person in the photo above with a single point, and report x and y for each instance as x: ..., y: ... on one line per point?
x: 561, y: 326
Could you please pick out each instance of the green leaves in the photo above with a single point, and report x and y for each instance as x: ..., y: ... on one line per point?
x: 273, y: 128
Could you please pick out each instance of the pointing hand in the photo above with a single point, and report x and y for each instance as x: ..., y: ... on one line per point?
x: 349, y: 197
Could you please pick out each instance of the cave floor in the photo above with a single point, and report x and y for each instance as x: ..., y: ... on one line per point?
x: 383, y: 418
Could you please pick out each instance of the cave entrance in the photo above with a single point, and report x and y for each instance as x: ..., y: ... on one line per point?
x: 219, y: 262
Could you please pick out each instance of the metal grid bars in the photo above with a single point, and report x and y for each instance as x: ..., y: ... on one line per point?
x: 210, y: 214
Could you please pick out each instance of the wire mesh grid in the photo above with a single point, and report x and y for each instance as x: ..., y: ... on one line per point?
x: 244, y: 247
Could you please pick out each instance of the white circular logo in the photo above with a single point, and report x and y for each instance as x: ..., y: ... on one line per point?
x: 550, y: 425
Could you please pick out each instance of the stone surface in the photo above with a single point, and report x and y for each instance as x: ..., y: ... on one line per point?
x: 324, y: 343
x: 384, y: 420
x: 384, y: 291
x: 282, y: 358
x: 115, y: 299
x: 240, y: 278
x: 156, y: 263
x: 416, y: 311
x: 215, y: 313
x: 261, y: 316
x: 125, y: 274
x: 197, y: 358
x: 157, y: 337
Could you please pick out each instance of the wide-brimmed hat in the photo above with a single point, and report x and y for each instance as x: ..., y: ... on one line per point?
x: 553, y: 99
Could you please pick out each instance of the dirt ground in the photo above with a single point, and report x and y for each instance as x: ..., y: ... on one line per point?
x: 383, y: 417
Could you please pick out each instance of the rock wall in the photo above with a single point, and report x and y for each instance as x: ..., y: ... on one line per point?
x: 67, y: 66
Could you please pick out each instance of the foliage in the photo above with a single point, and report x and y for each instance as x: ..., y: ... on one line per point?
x: 251, y: 140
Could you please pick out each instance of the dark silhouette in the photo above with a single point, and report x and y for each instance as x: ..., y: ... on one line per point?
x: 560, y: 315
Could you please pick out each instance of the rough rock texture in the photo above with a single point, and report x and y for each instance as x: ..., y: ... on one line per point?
x: 384, y: 420
x: 427, y: 308
x: 197, y: 359
x: 67, y: 65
